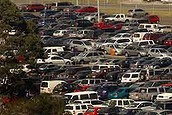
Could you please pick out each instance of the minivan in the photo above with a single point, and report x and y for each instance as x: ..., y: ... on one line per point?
x: 48, y: 86
x: 53, y: 50
x: 130, y: 77
x: 84, y: 95
x: 150, y: 27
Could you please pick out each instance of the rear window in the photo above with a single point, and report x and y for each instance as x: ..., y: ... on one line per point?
x: 44, y: 84
x: 126, y: 76
x: 69, y: 107
x: 135, y: 76
x: 152, y: 90
x: 93, y: 96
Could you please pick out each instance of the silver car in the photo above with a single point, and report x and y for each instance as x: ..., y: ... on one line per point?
x: 159, y: 52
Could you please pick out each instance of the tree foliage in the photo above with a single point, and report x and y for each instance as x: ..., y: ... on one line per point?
x: 40, y: 105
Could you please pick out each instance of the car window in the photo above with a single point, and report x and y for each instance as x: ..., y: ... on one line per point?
x: 77, y: 107
x: 134, y: 76
x: 154, y: 90
x: 69, y: 107
x: 84, y: 96
x: 126, y: 76
x: 93, y: 96
x: 75, y: 97
x: 44, y: 84
x: 97, y: 81
x: 84, y: 82
x: 83, y: 106
x: 126, y: 102
x: 161, y: 90
x: 91, y: 81
x: 119, y: 102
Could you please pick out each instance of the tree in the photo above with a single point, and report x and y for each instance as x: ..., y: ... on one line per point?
x: 41, y: 105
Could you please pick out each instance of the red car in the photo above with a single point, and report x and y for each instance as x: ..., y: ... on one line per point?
x: 168, y: 42
x: 87, y: 9
x: 33, y: 7
x: 92, y: 111
x: 104, y: 25
x: 153, y: 19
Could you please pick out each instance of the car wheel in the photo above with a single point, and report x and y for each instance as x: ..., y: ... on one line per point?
x: 126, y: 54
x: 139, y: 55
x: 68, y: 63
x: 82, y: 62
x: 93, y: 20
x: 85, y: 49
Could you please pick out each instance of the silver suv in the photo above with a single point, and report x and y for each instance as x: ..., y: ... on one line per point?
x: 80, y: 45
x: 86, y: 57
x: 136, y: 13
x: 150, y: 93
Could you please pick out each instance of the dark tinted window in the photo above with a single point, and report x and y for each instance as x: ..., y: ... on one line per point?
x: 44, y: 84
x: 93, y: 96
x: 84, y: 96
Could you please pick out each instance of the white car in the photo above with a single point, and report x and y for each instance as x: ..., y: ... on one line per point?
x: 60, y: 33
x: 77, y: 109
x: 94, y: 103
x: 165, y: 96
x: 54, y: 59
x: 145, y: 105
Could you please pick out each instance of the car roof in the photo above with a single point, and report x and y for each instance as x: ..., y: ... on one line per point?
x: 83, y: 92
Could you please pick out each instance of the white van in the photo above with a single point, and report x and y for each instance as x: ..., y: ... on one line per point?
x: 84, y: 95
x: 61, y: 33
x: 48, y: 86
x: 130, y: 77
x: 137, y: 36
x: 77, y: 109
x: 53, y: 50
x: 120, y: 102
x: 149, y: 27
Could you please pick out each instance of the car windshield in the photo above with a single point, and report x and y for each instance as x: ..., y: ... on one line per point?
x: 169, y: 91
x: 82, y: 54
x: 87, y: 43
x: 163, y: 51
x: 126, y: 76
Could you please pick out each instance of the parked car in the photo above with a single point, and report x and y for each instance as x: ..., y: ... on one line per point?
x: 158, y: 52
x: 77, y: 109
x: 122, y: 92
x: 86, y: 57
x: 165, y: 96
x: 54, y: 59
x: 34, y: 7
x: 134, y: 51
x: 136, y: 12
x: 88, y: 9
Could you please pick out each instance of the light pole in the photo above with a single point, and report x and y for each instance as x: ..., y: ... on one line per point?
x: 98, y: 10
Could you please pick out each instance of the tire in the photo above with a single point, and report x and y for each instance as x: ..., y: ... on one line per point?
x: 81, y: 62
x: 68, y: 63
x: 126, y: 21
x: 126, y: 54
x: 139, y: 55
x: 93, y: 20
x: 85, y: 49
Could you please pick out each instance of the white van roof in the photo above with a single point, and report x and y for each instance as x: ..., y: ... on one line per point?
x: 83, y: 92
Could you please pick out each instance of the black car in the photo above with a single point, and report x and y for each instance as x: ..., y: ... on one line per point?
x: 82, y: 23
x: 110, y: 110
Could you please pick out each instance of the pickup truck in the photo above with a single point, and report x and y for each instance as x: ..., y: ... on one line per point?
x: 119, y: 17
